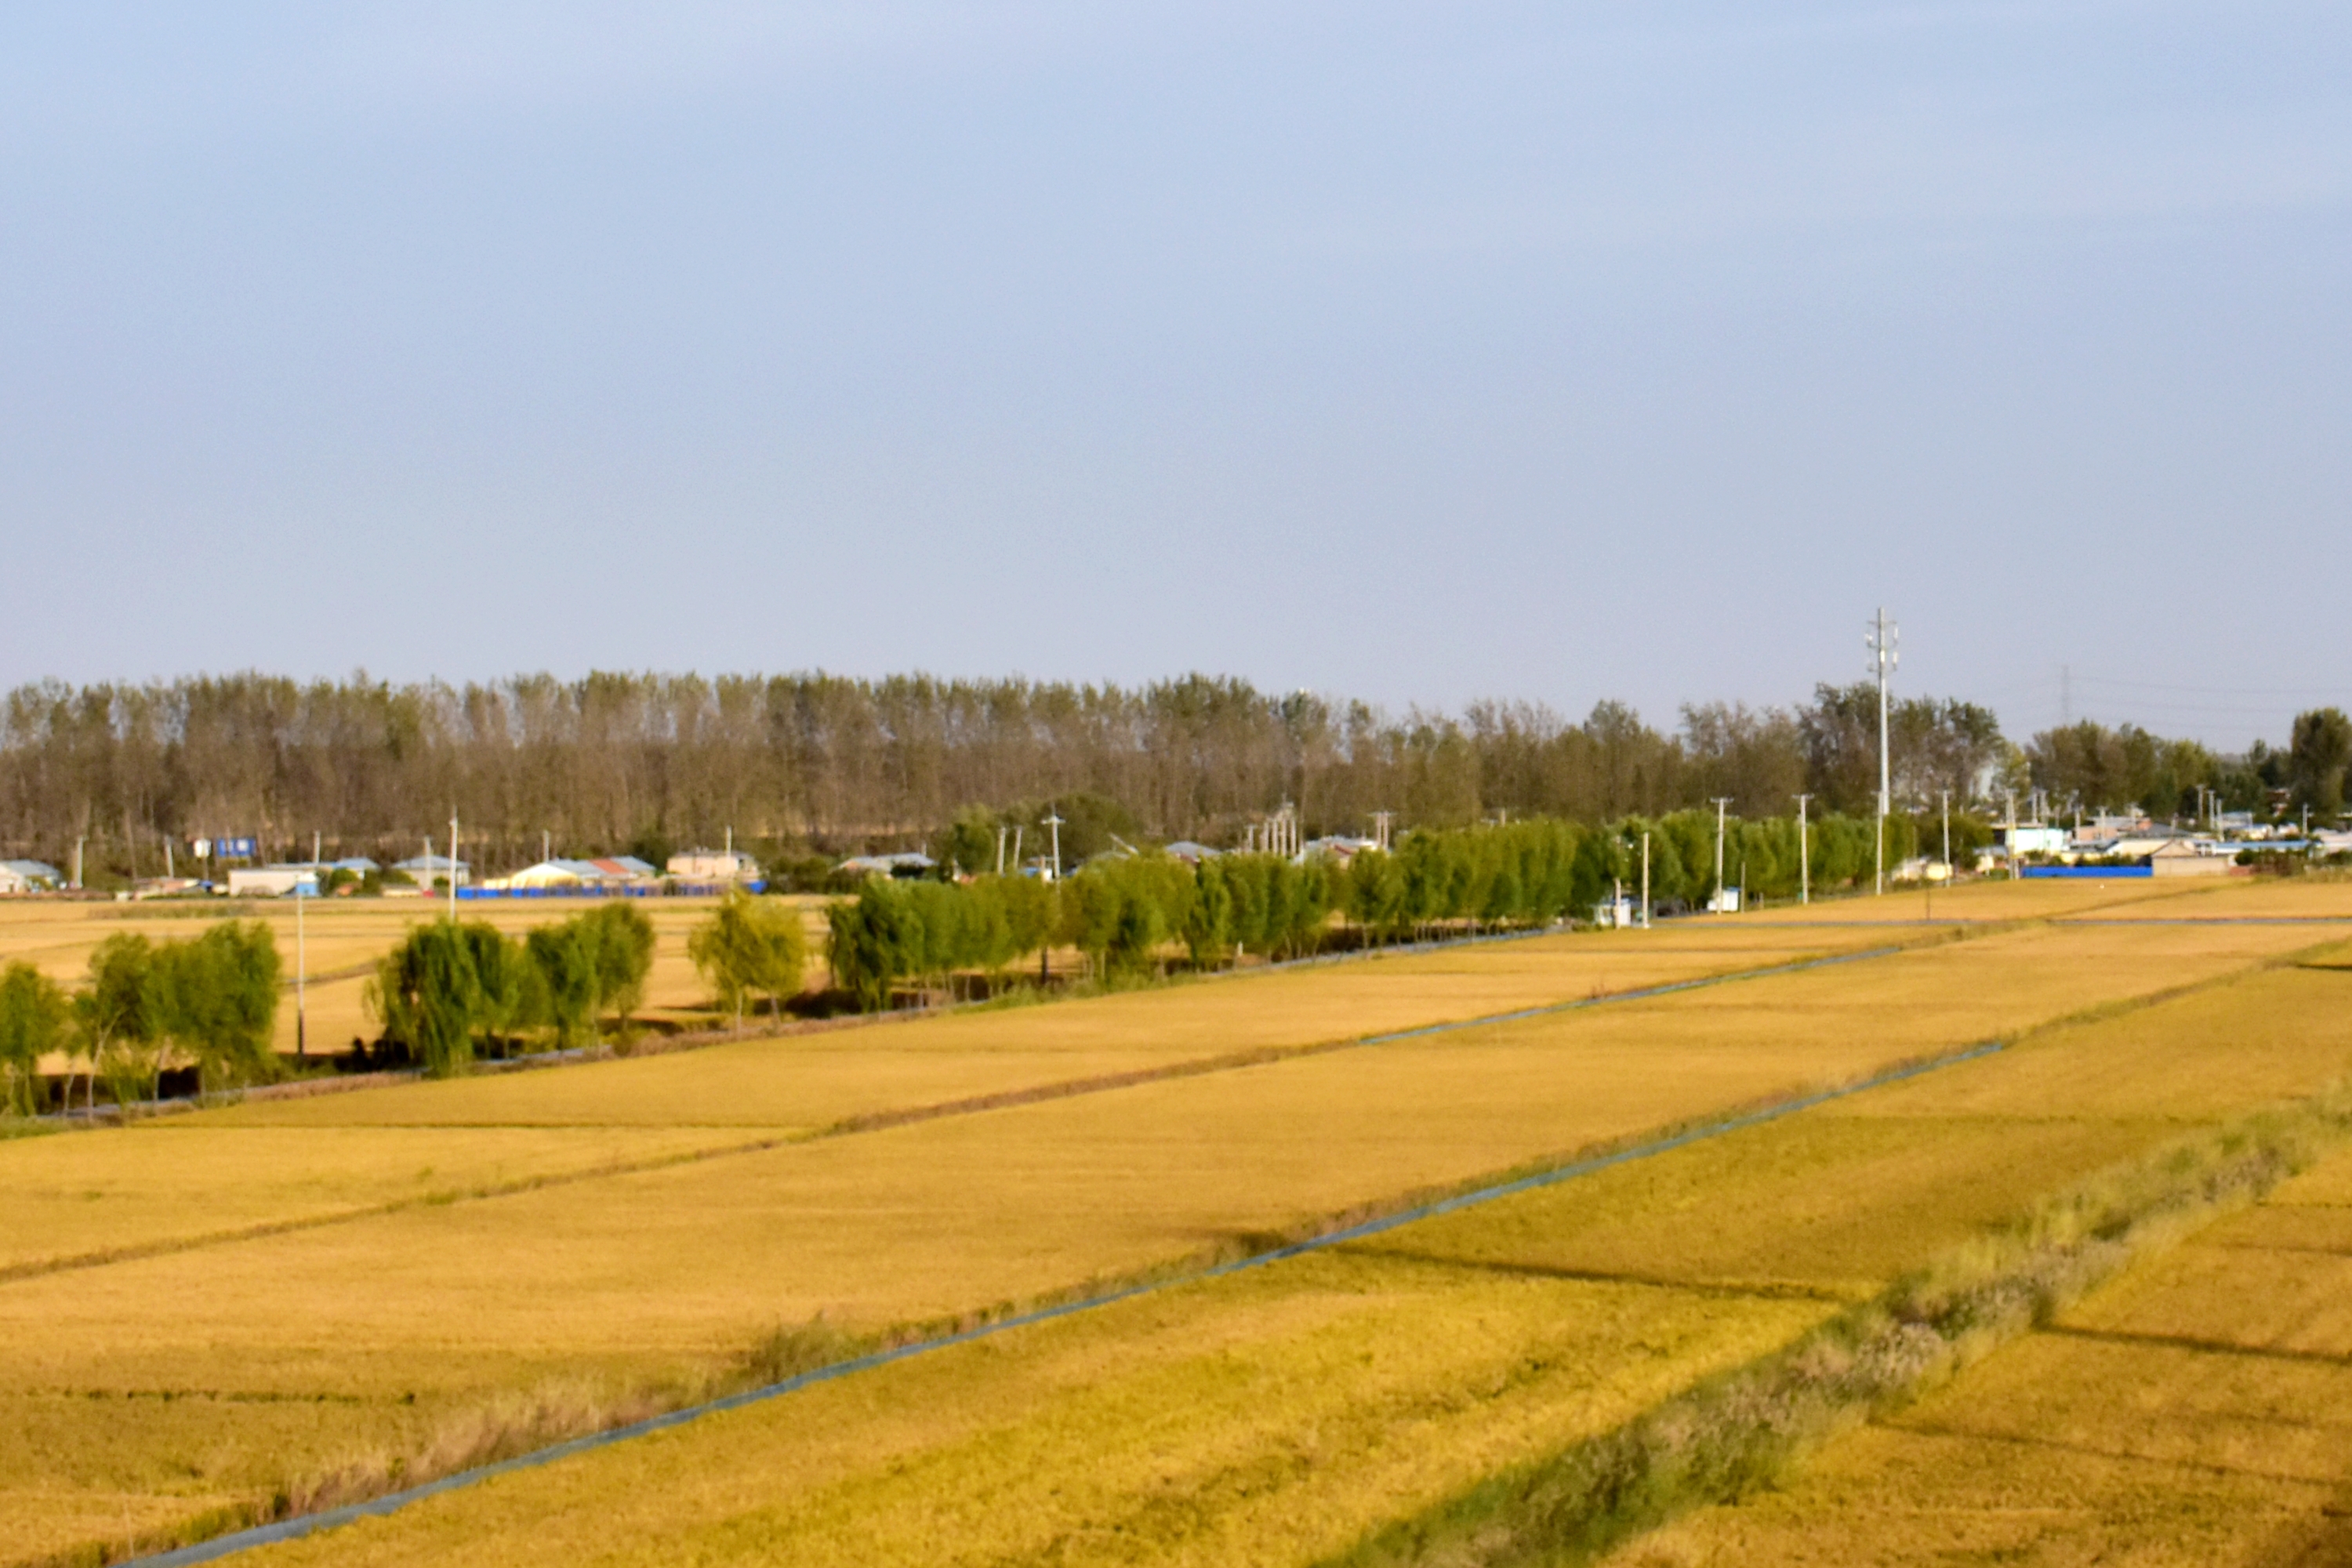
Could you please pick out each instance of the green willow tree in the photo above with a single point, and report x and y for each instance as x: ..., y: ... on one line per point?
x: 429, y: 995
x: 216, y: 1002
x: 36, y: 1020
x: 750, y: 946
x: 116, y: 1013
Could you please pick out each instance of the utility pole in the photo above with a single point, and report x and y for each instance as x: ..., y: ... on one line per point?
x: 1645, y: 879
x: 1054, y: 821
x: 1804, y: 855
x: 77, y: 879
x: 1721, y: 803
x: 1947, y: 828
x: 1883, y: 635
x: 453, y: 868
x: 302, y: 968
x: 545, y: 838
x: 999, y: 850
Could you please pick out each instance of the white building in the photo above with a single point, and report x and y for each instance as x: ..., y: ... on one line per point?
x: 2191, y: 858
x: 1339, y: 847
x: 714, y: 866
x: 29, y: 877
x: 2034, y: 838
x: 426, y: 869
x: 907, y: 863
x: 272, y: 882
x: 619, y: 870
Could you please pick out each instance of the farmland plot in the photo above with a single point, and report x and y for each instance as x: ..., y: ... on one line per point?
x: 224, y: 1173
x: 2198, y: 1411
x: 424, y: 1333
x: 1288, y: 1413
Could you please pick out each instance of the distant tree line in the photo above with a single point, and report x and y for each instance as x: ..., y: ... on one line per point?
x: 818, y: 764
x: 2103, y: 768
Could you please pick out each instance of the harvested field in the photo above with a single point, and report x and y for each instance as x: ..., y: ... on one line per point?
x: 1291, y: 1413
x: 2198, y: 1411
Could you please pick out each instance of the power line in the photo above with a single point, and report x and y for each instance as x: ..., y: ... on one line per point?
x: 2291, y: 692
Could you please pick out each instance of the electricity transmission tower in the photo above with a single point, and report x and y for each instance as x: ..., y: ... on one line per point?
x: 1882, y: 639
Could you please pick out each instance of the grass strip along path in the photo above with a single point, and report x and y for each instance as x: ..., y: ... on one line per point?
x: 354, y: 1355
x: 2193, y: 1413
x: 1357, y: 1402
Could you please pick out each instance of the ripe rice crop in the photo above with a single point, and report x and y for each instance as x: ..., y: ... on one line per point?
x: 2035, y: 898
x: 391, y: 1327
x: 811, y: 1081
x: 216, y: 1174
x: 155, y: 1185
x: 2314, y: 897
x: 2198, y: 1411
x: 1289, y: 1414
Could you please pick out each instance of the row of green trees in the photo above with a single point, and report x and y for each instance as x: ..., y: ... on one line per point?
x: 210, y: 1002
x: 1760, y: 858
x: 1126, y: 914
x: 453, y: 989
x: 449, y: 990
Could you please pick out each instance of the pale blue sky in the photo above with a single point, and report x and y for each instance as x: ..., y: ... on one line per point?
x: 1416, y: 352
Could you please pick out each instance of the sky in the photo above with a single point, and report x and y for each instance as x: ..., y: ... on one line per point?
x: 1414, y: 353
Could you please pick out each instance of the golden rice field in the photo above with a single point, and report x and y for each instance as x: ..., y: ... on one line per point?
x: 2198, y: 1411
x: 221, y: 1173
x: 1283, y: 1415
x: 1987, y: 900
x: 201, y: 1312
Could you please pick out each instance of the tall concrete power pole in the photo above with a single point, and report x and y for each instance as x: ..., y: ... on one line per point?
x: 1804, y: 855
x: 1881, y: 641
x: 1721, y: 804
